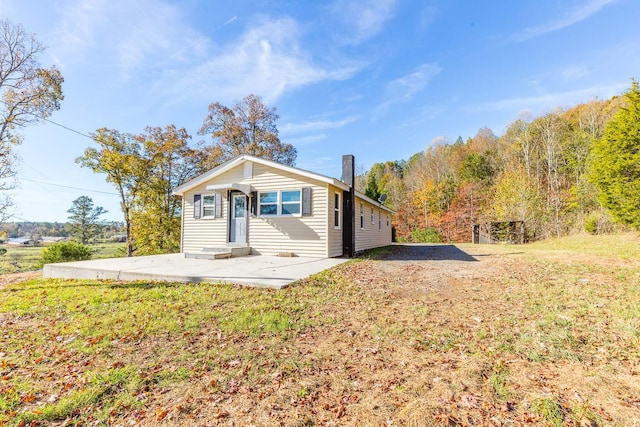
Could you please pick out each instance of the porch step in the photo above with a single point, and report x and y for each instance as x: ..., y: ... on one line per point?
x: 220, y: 252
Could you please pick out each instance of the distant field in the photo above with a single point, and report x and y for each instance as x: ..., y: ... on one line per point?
x: 19, y: 259
x: 546, y: 334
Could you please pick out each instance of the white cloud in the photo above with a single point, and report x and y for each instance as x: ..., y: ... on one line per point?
x: 230, y: 20
x: 124, y: 34
x: 266, y: 60
x: 580, y: 13
x: 550, y: 100
x: 428, y: 15
x: 405, y: 88
x: 327, y: 165
x: 314, y: 126
x: 306, y: 140
x: 363, y: 18
x: 574, y: 72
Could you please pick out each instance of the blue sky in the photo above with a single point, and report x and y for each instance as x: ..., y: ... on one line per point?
x: 380, y: 79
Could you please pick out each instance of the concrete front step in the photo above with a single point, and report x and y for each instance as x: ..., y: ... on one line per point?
x: 220, y: 253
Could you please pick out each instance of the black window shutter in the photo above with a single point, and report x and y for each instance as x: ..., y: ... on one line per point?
x: 254, y: 203
x: 218, y: 203
x: 197, y: 206
x: 306, y: 201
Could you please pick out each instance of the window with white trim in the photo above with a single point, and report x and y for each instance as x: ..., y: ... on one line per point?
x: 268, y: 203
x: 379, y: 220
x: 290, y: 202
x: 280, y: 203
x: 372, y: 220
x: 208, y: 205
x: 362, y: 215
x: 336, y: 210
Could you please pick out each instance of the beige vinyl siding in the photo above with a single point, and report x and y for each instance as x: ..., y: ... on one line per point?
x: 371, y: 236
x: 204, y: 232
x: 303, y: 236
x: 335, y: 234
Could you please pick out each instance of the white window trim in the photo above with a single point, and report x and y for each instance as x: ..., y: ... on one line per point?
x: 337, y: 208
x: 373, y: 220
x: 379, y: 219
x: 362, y: 223
x: 279, y: 204
x: 202, y: 196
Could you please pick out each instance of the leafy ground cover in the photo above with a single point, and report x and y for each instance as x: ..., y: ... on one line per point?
x: 28, y: 258
x: 541, y: 334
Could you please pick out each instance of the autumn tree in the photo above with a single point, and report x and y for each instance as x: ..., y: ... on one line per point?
x: 29, y: 94
x: 84, y: 219
x: 385, y: 178
x: 615, y: 167
x: 167, y: 162
x: 552, y: 130
x: 249, y: 127
x: 117, y: 156
x: 145, y: 169
x: 517, y: 197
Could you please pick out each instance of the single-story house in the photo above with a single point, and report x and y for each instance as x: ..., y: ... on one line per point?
x: 270, y: 208
x: 21, y: 241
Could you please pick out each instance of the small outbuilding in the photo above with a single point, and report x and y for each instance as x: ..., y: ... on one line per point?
x: 252, y: 205
x: 21, y: 241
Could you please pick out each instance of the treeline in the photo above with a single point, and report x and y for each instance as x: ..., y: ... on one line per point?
x: 54, y: 229
x: 539, y: 171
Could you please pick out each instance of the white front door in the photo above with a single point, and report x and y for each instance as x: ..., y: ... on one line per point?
x: 238, y: 219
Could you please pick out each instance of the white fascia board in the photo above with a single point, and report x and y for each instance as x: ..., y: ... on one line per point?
x: 374, y: 202
x: 180, y: 190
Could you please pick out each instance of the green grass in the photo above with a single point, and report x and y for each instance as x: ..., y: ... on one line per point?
x: 19, y: 259
x: 73, y: 320
x: 28, y: 258
x: 499, y: 380
x: 113, y: 388
x: 617, y: 246
x: 549, y: 409
x: 348, y: 346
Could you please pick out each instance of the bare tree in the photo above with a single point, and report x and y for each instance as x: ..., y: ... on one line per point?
x: 28, y: 94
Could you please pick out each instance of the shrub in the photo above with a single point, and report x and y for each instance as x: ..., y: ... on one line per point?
x: 65, y: 251
x: 591, y: 224
x: 598, y: 223
x: 425, y: 235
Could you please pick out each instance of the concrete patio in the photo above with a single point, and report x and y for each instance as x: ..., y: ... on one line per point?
x: 255, y: 270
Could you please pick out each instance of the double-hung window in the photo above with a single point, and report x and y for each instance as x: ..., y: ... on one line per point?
x: 290, y: 202
x: 336, y: 210
x: 208, y: 205
x: 361, y: 215
x: 280, y: 203
x: 372, y: 220
x: 268, y: 203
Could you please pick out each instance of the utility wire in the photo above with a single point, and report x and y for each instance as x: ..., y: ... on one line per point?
x: 66, y: 127
x: 55, y: 123
x: 68, y: 186
x: 22, y: 219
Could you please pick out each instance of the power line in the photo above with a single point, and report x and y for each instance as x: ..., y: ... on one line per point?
x: 21, y: 219
x: 68, y: 186
x: 65, y: 127
x: 55, y: 123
